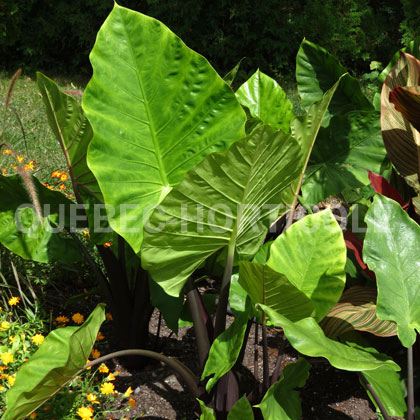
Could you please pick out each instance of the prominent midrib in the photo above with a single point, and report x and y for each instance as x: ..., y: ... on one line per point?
x: 151, y: 125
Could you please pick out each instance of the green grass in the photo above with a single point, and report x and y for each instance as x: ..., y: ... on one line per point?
x: 41, y: 144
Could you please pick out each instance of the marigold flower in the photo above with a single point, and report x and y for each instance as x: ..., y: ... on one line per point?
x: 103, y: 368
x: 11, y: 379
x: 131, y: 402
x: 78, y: 318
x: 56, y: 174
x: 14, y: 300
x: 107, y: 244
x: 7, y: 152
x: 4, y: 325
x: 107, y: 388
x: 64, y: 177
x: 62, y: 318
x: 85, y: 413
x: 100, y: 336
x: 62, y: 187
x: 128, y: 392
x: 95, y: 353
x: 38, y: 339
x: 110, y: 377
x: 92, y: 398
x: 7, y: 357
x: 33, y: 415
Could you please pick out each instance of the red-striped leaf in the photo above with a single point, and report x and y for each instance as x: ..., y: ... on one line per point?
x: 382, y: 186
x: 356, y: 245
x: 356, y: 310
x: 407, y: 101
x: 397, y: 132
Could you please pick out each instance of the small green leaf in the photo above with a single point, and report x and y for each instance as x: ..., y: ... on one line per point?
x: 266, y: 101
x: 281, y: 401
x: 225, y: 350
x: 307, y: 337
x: 60, y: 357
x: 242, y: 410
x: 312, y: 255
x: 391, y: 250
x: 207, y: 413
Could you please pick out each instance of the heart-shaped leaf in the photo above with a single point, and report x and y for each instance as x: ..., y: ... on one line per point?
x: 312, y: 255
x: 58, y: 360
x: 229, y: 199
x: 266, y: 101
x: 391, y: 250
x: 157, y: 109
x: 241, y: 410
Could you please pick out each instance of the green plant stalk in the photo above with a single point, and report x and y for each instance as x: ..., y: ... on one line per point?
x: 374, y: 396
x: 220, y: 323
x: 186, y: 374
x: 410, y: 385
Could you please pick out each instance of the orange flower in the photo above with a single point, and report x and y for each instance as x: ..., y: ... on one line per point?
x: 62, y: 187
x: 32, y: 415
x: 4, y: 171
x: 78, y: 318
x: 100, y: 336
x: 109, y: 316
x: 56, y: 174
x: 131, y: 402
x: 7, y: 152
x: 62, y: 318
x: 29, y: 166
x: 107, y: 244
x: 20, y: 158
x: 64, y: 177
x: 103, y: 369
x: 110, y: 377
x: 95, y: 353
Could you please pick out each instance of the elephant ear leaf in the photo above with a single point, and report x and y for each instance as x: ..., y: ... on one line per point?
x: 391, y: 251
x: 157, y: 108
x: 266, y: 100
x: 34, y: 232
x: 58, y: 360
x: 401, y: 139
x: 228, y: 200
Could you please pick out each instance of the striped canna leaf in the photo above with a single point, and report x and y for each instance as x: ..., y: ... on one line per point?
x: 356, y: 310
x: 401, y: 139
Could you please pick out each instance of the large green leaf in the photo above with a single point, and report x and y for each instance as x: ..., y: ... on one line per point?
x: 225, y: 350
x: 356, y: 310
x: 20, y: 229
x: 317, y: 71
x: 242, y: 410
x: 59, y: 358
x: 266, y: 101
x: 229, y: 199
x: 391, y: 250
x: 400, y: 137
x: 73, y: 131
x: 273, y: 289
x: 312, y: 255
x: 157, y: 108
x: 307, y: 337
x: 281, y: 401
x: 342, y: 155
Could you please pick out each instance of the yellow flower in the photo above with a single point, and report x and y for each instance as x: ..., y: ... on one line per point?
x: 4, y: 325
x: 20, y: 158
x: 107, y: 388
x: 103, y: 369
x: 4, y: 171
x: 86, y: 233
x: 100, y: 336
x: 64, y: 177
x: 7, y: 358
x: 78, y: 318
x: 33, y: 415
x: 92, y: 398
x: 95, y: 353
x: 85, y: 413
x: 30, y: 166
x: 128, y: 392
x: 110, y: 377
x: 12, y: 339
x: 11, y: 379
x: 131, y: 402
x: 14, y: 300
x: 38, y: 339
x: 107, y: 244
x: 62, y: 187
x: 90, y: 367
x: 62, y: 318
x: 1, y: 388
x: 56, y: 174
x: 7, y: 152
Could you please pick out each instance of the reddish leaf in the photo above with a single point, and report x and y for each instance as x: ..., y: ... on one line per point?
x: 407, y: 101
x: 356, y: 245
x: 382, y: 186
